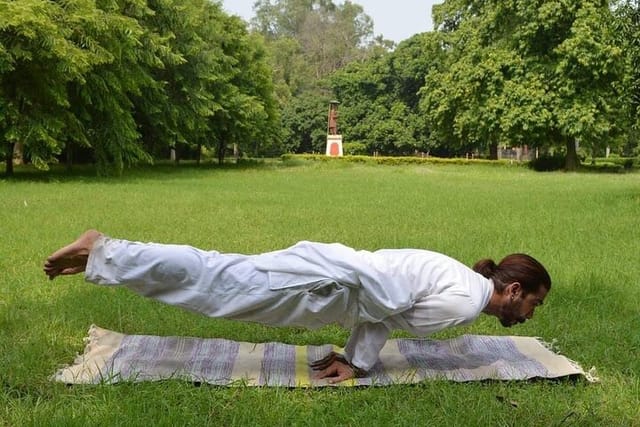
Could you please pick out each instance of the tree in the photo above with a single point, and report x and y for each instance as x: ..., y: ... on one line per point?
x: 327, y: 36
x: 248, y: 115
x: 588, y: 68
x: 291, y: 74
x: 102, y: 103
x: 381, y: 97
x: 217, y: 86
x: 39, y: 56
x: 304, y: 121
x: 124, y: 78
x: 177, y: 116
x: 627, y: 29
x: 307, y: 41
x: 535, y: 72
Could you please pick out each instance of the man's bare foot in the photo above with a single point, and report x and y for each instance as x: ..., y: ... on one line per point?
x: 71, y: 259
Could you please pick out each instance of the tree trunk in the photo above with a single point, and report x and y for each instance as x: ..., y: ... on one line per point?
x: 9, y: 159
x: 199, y: 154
x: 221, y: 146
x: 236, y: 153
x: 18, y: 153
x: 69, y: 158
x: 493, y: 151
x: 178, y: 153
x: 571, y: 162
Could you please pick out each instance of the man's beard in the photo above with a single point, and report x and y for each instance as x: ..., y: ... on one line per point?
x: 509, y: 322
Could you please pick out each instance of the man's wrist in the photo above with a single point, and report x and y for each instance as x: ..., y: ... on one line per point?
x: 357, y: 372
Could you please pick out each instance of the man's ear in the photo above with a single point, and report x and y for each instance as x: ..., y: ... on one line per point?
x: 514, y: 289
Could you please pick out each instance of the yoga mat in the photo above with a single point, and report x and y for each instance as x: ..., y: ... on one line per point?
x: 111, y: 357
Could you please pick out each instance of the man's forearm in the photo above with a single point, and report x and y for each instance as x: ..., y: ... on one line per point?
x: 364, y: 345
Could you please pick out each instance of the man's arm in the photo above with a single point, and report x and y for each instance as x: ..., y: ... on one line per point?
x: 365, y: 343
x: 361, y: 353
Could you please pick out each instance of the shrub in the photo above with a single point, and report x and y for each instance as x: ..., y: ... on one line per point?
x: 548, y: 162
x: 354, y: 148
x: 606, y: 167
x: 394, y: 161
x: 628, y: 164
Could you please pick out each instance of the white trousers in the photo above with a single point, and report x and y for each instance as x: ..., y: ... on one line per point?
x: 216, y: 285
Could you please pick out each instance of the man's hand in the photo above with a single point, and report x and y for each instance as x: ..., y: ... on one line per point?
x: 336, y: 371
x: 324, y: 363
x: 335, y: 367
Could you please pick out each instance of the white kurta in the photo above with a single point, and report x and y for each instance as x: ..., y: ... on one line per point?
x: 310, y: 284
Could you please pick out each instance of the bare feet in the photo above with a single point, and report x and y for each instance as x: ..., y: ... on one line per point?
x: 71, y: 259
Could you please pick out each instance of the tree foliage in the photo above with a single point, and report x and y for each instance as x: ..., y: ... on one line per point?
x: 127, y: 79
x: 39, y: 57
x: 380, y: 98
x: 123, y: 81
x: 308, y: 40
x: 627, y: 30
x: 538, y: 73
x: 547, y: 74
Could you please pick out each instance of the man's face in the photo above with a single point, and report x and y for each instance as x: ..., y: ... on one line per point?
x: 518, y: 306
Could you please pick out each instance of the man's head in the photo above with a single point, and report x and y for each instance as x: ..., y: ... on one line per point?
x: 520, y: 285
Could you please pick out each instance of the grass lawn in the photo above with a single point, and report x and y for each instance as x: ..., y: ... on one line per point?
x: 583, y: 227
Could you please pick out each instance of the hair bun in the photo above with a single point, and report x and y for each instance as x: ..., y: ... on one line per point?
x: 486, y: 267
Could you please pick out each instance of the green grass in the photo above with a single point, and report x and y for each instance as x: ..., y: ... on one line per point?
x: 583, y: 227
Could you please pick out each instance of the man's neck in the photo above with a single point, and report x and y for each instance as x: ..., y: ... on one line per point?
x: 494, y: 303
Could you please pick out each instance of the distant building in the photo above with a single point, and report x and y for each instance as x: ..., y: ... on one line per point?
x: 519, y: 154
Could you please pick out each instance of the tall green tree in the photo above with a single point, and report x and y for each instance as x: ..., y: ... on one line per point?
x: 380, y: 98
x: 216, y: 82
x: 102, y: 103
x: 304, y: 123
x: 307, y: 41
x: 177, y: 116
x: 248, y: 116
x: 539, y: 72
x: 589, y: 67
x: 126, y: 78
x: 73, y: 67
x: 318, y: 34
x: 627, y: 25
x: 40, y: 54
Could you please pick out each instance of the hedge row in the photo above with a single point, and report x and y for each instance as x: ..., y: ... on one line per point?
x: 396, y: 161
x: 543, y: 163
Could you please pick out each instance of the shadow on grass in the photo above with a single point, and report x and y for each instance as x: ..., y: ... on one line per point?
x: 158, y: 170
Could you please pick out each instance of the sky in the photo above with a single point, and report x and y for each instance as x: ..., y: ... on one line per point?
x: 396, y: 20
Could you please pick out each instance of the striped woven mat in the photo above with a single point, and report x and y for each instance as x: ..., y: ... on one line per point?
x: 112, y: 357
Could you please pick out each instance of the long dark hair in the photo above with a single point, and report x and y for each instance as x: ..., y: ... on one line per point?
x: 515, y: 268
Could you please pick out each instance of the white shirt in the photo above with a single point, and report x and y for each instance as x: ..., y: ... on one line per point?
x: 411, y: 289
